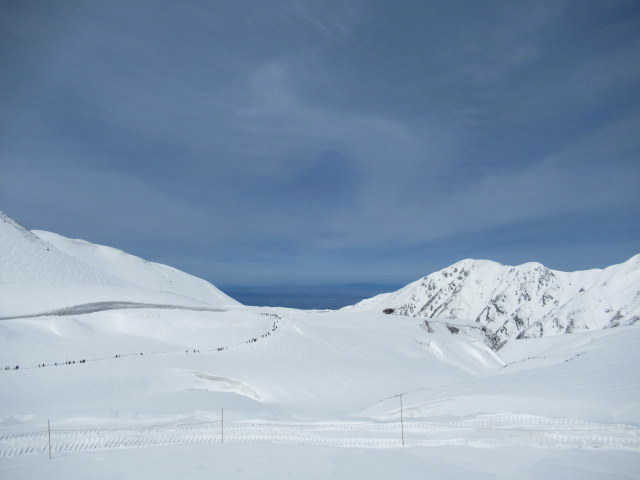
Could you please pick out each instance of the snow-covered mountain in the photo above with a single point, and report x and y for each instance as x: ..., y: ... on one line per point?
x: 41, y: 272
x: 157, y: 354
x: 524, y: 301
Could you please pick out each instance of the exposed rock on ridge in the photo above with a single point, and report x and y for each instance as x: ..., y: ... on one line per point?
x: 528, y: 300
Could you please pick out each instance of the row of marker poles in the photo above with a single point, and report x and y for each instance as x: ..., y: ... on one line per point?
x: 401, y: 419
x: 222, y: 426
x: 49, y: 430
x: 221, y: 431
x: 401, y: 422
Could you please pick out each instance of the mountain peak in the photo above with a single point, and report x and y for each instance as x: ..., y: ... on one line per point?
x: 9, y: 227
x: 519, y: 301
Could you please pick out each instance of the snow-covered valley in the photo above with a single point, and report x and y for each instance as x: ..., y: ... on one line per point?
x: 132, y: 362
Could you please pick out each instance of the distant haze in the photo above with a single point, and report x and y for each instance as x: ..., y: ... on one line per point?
x: 325, y: 143
x: 316, y: 297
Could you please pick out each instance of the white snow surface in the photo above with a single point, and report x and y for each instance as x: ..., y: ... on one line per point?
x: 300, y: 383
x: 133, y: 374
x: 42, y: 272
x: 524, y: 301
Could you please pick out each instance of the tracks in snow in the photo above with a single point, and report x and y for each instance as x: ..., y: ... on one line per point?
x: 483, y: 431
x: 274, y: 328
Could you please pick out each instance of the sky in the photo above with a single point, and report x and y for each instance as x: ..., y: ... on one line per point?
x: 325, y: 142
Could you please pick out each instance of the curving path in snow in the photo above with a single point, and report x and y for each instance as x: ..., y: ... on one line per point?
x: 253, y: 339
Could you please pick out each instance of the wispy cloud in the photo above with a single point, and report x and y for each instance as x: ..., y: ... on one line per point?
x: 312, y: 130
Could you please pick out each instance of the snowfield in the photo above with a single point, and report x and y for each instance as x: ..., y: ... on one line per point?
x: 291, y: 380
x: 133, y: 376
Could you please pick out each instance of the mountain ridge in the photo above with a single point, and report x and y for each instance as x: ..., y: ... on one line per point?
x: 522, y: 301
x: 43, y: 271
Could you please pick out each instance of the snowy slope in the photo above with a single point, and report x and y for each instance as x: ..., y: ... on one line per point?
x: 527, y: 300
x: 41, y: 274
x: 141, y: 273
x: 286, y: 364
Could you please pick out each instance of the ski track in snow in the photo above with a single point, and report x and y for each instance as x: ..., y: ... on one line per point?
x: 254, y: 339
x: 491, y: 431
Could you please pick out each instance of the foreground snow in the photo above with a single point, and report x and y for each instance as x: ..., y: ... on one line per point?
x: 318, y: 386
x: 268, y: 461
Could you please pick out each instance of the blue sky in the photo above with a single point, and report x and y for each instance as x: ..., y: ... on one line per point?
x: 326, y: 142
